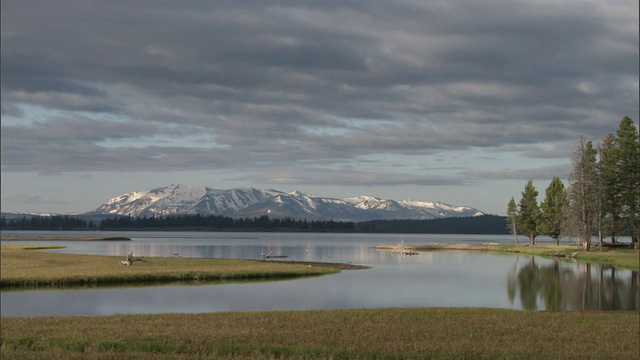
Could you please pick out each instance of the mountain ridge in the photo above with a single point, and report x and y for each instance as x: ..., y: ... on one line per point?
x: 177, y: 199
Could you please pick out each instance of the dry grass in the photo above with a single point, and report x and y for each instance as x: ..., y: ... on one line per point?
x: 22, y: 267
x: 429, y: 333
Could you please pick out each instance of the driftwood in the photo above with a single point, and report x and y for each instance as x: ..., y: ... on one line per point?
x: 269, y: 256
x: 130, y: 260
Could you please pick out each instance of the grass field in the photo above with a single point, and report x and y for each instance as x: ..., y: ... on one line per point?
x: 23, y: 267
x: 427, y: 333
x: 422, y: 333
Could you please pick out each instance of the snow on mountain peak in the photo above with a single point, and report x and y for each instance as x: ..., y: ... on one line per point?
x: 189, y: 199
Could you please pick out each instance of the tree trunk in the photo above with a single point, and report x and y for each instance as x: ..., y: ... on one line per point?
x: 514, y: 231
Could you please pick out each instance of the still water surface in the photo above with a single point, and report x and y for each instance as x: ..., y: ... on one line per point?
x: 433, y: 279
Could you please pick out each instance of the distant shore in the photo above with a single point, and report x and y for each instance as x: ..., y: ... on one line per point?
x: 429, y: 247
x: 620, y: 257
x: 62, y: 238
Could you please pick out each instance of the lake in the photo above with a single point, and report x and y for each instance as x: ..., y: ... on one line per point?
x: 429, y: 279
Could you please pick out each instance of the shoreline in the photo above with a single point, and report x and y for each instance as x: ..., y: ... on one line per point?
x: 23, y: 267
x: 61, y: 238
x: 431, y: 247
x: 623, y: 258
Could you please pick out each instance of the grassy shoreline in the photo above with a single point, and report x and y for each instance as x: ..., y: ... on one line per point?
x: 61, y: 238
x: 409, y: 333
x: 622, y: 258
x: 415, y: 333
x: 21, y: 267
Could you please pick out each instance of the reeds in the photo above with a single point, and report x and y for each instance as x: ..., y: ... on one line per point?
x: 423, y: 333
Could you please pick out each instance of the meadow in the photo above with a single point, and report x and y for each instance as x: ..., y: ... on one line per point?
x: 414, y: 333
x: 393, y: 333
x: 23, y: 266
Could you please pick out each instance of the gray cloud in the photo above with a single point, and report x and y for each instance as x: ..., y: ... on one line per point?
x: 269, y: 83
x: 539, y: 173
x: 326, y: 176
x: 33, y: 199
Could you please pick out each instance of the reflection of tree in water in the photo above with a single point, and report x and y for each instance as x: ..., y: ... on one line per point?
x: 585, y: 287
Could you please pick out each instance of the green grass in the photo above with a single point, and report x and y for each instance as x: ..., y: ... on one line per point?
x: 23, y: 268
x: 422, y: 333
x: 622, y: 258
x: 427, y: 333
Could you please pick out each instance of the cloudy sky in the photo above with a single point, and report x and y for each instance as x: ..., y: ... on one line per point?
x: 453, y: 101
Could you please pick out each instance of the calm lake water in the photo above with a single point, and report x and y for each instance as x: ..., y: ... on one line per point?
x: 429, y: 279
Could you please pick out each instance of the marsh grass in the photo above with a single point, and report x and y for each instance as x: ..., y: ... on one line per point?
x: 425, y: 333
x: 623, y: 258
x: 23, y: 268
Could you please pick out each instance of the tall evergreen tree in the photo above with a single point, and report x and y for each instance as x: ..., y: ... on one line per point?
x: 529, y: 213
x: 628, y: 160
x: 512, y: 219
x: 610, y: 194
x: 583, y: 191
x: 552, y: 220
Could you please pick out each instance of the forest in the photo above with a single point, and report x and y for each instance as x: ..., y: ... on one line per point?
x: 602, y: 199
x: 185, y: 222
x: 487, y: 224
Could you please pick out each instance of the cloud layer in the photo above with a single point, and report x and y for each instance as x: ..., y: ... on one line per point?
x: 249, y: 85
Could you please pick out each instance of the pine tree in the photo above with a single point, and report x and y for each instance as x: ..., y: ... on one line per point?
x: 529, y: 213
x: 628, y: 160
x: 583, y: 191
x: 610, y: 180
x: 512, y: 219
x: 552, y: 220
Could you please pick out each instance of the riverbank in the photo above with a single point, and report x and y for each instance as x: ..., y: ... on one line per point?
x: 421, y: 333
x: 21, y: 266
x: 619, y: 257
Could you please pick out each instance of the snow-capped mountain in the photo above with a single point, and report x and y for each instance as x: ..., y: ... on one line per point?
x: 186, y: 199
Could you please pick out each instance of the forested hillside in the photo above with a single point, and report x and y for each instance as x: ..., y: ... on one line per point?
x: 487, y: 224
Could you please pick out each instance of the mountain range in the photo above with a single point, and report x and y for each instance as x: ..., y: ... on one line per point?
x: 242, y: 202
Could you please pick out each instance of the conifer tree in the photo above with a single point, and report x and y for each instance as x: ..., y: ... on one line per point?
x: 610, y: 194
x: 512, y: 219
x: 583, y: 191
x: 628, y: 160
x: 552, y: 220
x: 529, y: 213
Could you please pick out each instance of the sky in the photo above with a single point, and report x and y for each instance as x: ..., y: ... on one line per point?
x: 454, y: 101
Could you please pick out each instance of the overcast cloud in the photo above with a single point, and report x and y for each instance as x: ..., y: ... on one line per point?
x: 340, y: 94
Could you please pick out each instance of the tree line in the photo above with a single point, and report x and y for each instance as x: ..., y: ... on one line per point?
x: 56, y: 222
x: 218, y: 222
x: 186, y: 221
x: 602, y: 198
x: 485, y: 224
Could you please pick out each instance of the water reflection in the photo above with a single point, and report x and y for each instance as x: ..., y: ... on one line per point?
x: 432, y: 279
x: 149, y: 284
x: 555, y: 285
